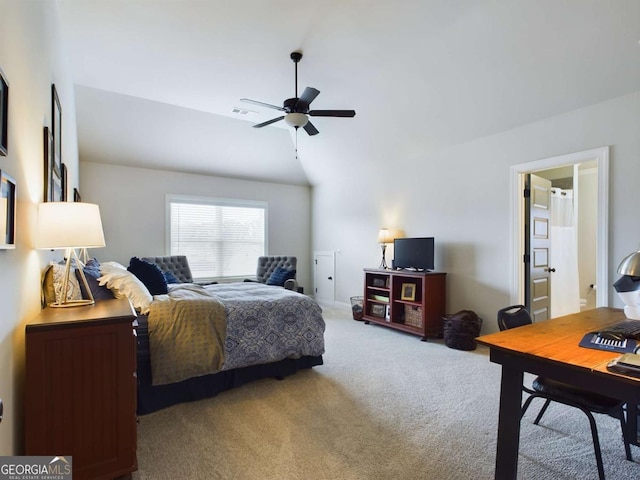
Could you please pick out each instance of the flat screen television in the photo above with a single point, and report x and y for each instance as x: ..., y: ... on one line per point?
x: 413, y: 253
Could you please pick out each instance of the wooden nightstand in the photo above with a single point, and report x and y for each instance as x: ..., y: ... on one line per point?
x: 80, y: 393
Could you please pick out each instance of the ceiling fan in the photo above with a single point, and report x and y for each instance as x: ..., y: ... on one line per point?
x: 296, y: 109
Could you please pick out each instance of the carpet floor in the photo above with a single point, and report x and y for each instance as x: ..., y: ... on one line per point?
x: 384, y: 406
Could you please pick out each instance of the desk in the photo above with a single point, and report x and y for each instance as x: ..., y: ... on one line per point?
x: 550, y: 348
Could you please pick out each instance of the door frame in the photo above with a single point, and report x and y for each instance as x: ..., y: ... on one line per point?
x: 516, y: 181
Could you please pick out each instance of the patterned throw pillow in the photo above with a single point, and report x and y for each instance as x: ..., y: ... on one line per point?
x: 73, y: 289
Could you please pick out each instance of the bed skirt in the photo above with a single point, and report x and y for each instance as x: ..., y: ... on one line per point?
x: 152, y: 398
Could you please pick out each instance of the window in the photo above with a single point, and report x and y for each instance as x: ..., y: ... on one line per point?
x: 221, y: 238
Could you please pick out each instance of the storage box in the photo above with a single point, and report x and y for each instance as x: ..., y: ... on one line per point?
x: 413, y: 315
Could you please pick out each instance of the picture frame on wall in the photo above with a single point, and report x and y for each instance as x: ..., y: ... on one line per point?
x: 56, y: 130
x: 63, y: 182
x: 7, y: 211
x: 48, y: 165
x: 4, y: 114
x: 76, y: 195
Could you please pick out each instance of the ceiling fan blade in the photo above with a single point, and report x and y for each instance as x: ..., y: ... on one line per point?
x: 332, y: 113
x: 310, y: 129
x: 307, y: 97
x: 262, y: 104
x: 268, y: 122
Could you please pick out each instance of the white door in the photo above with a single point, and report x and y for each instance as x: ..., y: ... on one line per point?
x: 538, y: 247
x: 324, y: 276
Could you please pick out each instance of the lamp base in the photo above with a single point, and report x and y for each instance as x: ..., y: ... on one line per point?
x: 72, y: 303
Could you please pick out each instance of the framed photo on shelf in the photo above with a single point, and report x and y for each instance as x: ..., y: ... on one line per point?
x: 7, y: 211
x: 4, y: 114
x: 378, y: 310
x: 408, y: 291
x: 379, y: 282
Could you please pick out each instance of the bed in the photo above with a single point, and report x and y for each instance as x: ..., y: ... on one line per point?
x: 262, y: 331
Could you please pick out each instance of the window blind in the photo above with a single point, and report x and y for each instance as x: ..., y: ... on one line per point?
x: 218, y: 238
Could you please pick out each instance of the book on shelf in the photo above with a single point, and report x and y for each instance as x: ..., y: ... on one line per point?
x: 380, y: 298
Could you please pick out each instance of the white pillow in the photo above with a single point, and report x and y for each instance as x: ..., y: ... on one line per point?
x: 111, y: 266
x: 73, y: 289
x: 125, y: 284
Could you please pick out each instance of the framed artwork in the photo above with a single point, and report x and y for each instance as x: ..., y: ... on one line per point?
x: 56, y: 130
x: 48, y: 165
x: 408, y: 291
x: 379, y: 282
x: 7, y: 211
x: 64, y: 182
x: 4, y: 114
x: 378, y: 310
x: 76, y: 195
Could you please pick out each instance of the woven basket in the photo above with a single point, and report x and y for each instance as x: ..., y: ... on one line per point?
x: 461, y: 330
x: 413, y: 316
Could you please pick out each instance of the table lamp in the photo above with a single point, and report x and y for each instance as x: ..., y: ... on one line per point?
x: 69, y: 225
x: 384, y: 236
x: 628, y: 286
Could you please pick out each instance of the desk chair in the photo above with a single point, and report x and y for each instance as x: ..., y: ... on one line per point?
x: 552, y: 390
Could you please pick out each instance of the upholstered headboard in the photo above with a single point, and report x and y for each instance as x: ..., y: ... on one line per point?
x: 176, y: 264
x: 266, y: 266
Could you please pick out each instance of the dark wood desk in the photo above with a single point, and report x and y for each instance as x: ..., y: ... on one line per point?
x: 550, y: 348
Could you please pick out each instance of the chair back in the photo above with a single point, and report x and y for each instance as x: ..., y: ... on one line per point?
x: 513, y: 316
x: 176, y: 264
x: 266, y: 266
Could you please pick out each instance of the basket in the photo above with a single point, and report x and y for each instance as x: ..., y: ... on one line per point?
x: 461, y: 330
x: 413, y: 316
x: 357, y: 307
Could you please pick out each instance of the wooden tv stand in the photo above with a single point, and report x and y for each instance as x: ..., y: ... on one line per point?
x: 413, y: 302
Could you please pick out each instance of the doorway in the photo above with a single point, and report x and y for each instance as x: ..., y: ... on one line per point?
x: 593, y: 162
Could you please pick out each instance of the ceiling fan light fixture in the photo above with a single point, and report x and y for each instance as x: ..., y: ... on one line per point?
x: 296, y: 120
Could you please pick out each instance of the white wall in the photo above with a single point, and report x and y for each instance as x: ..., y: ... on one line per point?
x: 32, y: 58
x: 461, y: 196
x: 132, y: 206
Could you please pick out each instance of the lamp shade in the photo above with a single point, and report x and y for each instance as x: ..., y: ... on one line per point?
x: 385, y: 236
x: 296, y: 119
x: 69, y: 225
x: 630, y: 265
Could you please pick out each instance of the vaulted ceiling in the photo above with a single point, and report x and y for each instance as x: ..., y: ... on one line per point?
x: 157, y: 81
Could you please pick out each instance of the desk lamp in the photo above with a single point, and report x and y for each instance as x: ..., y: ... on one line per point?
x: 628, y: 286
x: 384, y: 236
x: 70, y: 225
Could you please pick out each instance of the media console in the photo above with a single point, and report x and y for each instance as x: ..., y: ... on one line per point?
x: 413, y: 302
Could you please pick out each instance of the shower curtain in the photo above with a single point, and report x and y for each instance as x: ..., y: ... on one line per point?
x: 565, y: 291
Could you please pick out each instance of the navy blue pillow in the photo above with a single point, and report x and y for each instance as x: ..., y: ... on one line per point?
x: 149, y: 274
x: 280, y: 275
x: 91, y: 272
x: 170, y: 277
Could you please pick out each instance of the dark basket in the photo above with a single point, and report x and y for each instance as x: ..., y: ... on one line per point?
x: 461, y: 330
x: 357, y: 307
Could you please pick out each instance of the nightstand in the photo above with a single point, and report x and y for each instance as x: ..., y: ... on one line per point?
x: 80, y: 392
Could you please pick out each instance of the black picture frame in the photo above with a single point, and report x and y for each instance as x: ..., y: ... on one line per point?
x: 48, y: 165
x: 56, y: 130
x: 7, y: 211
x: 4, y: 114
x: 76, y: 195
x: 63, y: 182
